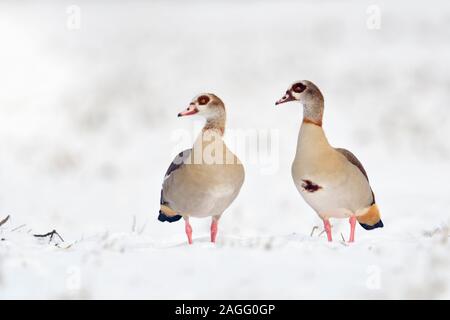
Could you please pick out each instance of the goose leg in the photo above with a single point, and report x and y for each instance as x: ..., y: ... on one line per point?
x: 214, y: 229
x: 188, y: 229
x: 352, y: 221
x: 327, y: 227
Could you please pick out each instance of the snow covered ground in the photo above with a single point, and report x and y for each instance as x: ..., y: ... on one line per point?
x: 88, y: 127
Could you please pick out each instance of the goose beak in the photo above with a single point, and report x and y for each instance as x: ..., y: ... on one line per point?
x: 286, y: 98
x: 189, y: 111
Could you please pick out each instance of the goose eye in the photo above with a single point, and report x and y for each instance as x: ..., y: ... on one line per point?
x: 203, y: 100
x: 299, y: 87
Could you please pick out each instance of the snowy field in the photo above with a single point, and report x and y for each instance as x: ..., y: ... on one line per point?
x: 88, y: 127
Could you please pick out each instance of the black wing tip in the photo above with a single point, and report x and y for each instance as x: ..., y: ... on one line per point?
x: 379, y: 224
x: 163, y: 218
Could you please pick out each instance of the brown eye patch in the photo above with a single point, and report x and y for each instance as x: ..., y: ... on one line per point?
x: 298, y: 87
x: 203, y: 100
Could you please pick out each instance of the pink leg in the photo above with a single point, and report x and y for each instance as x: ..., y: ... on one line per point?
x: 214, y: 227
x: 352, y: 221
x: 188, y: 229
x: 327, y: 226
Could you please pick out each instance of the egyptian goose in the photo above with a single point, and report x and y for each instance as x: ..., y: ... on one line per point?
x: 202, y: 181
x: 332, y: 181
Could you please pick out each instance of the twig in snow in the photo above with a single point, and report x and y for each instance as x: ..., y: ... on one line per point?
x: 343, y: 242
x: 69, y: 246
x: 17, y: 228
x: 313, y: 230
x: 2, y: 222
x: 133, y: 226
x: 50, y: 234
x: 321, y: 232
x: 142, y: 229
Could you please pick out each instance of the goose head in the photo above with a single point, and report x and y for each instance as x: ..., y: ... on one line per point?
x: 207, y: 105
x: 309, y: 95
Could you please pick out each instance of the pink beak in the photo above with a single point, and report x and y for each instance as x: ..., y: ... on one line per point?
x: 189, y: 111
x: 286, y: 98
